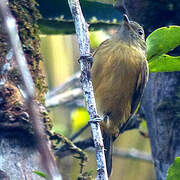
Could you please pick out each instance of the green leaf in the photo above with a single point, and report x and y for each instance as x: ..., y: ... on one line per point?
x: 164, y: 63
x: 173, y: 172
x: 45, y: 176
x: 162, y: 41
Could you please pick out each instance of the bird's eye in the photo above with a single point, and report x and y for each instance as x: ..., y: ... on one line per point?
x: 140, y: 32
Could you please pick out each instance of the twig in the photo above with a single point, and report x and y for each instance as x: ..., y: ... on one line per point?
x: 134, y: 124
x: 61, y: 88
x: 43, y: 146
x: 88, y: 144
x: 79, y: 132
x: 83, y: 40
x: 70, y: 97
x: 130, y: 153
x: 65, y: 150
x: 72, y: 147
x: 62, y: 96
x: 133, y: 154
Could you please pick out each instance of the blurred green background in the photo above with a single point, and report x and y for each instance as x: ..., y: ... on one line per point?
x: 60, y: 54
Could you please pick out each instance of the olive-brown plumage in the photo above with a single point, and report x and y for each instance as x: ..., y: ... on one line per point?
x: 119, y: 75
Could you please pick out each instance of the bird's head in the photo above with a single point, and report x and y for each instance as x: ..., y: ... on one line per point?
x: 131, y: 32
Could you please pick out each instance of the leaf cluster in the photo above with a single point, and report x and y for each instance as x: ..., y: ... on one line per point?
x: 159, y: 43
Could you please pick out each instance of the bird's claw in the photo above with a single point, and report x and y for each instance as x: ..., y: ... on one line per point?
x: 88, y: 58
x: 96, y: 120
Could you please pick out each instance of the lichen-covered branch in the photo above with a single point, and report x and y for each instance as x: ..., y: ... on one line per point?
x: 88, y: 144
x: 44, y: 148
x: 83, y: 40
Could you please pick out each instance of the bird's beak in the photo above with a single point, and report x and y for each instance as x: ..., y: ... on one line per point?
x: 126, y: 20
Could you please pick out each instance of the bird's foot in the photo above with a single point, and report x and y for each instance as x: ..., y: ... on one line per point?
x: 88, y: 58
x: 96, y: 119
x: 106, y: 119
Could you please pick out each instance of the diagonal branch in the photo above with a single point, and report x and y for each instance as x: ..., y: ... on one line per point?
x: 70, y: 97
x: 43, y: 146
x: 88, y: 144
x: 83, y: 40
x: 61, y: 88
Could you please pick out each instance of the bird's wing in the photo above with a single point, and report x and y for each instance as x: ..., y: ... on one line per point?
x: 140, y: 86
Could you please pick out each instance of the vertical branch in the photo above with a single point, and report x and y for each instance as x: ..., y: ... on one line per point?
x: 85, y: 58
x: 43, y: 146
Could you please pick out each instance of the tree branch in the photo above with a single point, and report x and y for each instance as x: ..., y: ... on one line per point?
x: 62, y: 87
x: 83, y: 40
x: 88, y: 144
x: 133, y: 154
x: 130, y: 154
x: 71, y: 97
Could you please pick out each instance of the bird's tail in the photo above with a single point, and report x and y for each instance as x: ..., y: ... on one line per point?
x: 107, y: 139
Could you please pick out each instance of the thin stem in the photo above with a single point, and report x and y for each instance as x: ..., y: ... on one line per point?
x: 61, y: 88
x: 84, y: 47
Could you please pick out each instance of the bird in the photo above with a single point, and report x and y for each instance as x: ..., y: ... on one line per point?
x: 119, y: 75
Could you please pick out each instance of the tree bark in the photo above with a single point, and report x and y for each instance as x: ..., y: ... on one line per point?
x: 161, y: 106
x: 19, y: 155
